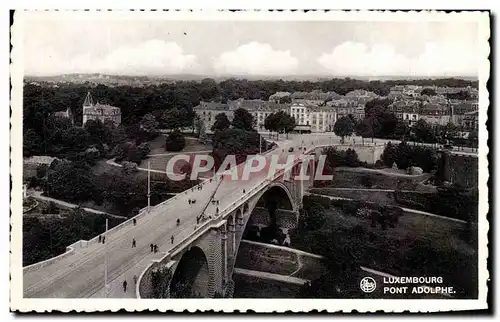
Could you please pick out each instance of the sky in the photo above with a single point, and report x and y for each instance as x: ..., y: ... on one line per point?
x: 58, y: 44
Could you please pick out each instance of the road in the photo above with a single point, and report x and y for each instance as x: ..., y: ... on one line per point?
x: 81, y: 274
x: 38, y: 195
x: 326, y: 136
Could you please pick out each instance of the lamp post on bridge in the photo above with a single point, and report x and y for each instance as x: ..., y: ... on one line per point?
x: 149, y: 185
x: 106, y: 263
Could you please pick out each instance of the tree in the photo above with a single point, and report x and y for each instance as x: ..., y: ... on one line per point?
x: 288, y: 124
x: 176, y: 118
x: 428, y: 92
x: 70, y: 182
x: 388, y: 157
x: 271, y: 123
x: 422, y: 131
x: 175, y: 142
x: 279, y: 122
x: 402, y: 130
x: 314, y: 216
x: 243, y: 120
x: 149, y: 125
x: 31, y: 143
x: 388, y: 123
x: 221, y: 122
x: 343, y: 127
x: 96, y: 132
x: 449, y: 131
x: 237, y: 142
x: 364, y: 129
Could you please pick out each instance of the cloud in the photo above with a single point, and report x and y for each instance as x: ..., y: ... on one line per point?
x: 153, y: 57
x: 437, y: 59
x: 256, y: 59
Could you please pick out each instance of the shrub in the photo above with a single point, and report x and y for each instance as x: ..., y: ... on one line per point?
x: 175, y: 142
x: 366, y: 181
x: 51, y: 208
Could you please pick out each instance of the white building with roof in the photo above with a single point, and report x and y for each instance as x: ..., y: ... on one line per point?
x: 96, y: 111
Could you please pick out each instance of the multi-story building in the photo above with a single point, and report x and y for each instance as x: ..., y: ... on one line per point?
x: 96, y: 111
x: 407, y: 111
x: 207, y: 111
x: 312, y: 117
x: 459, y: 109
x: 471, y: 121
x: 435, y: 114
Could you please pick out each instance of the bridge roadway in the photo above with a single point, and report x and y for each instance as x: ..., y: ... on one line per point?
x: 81, y: 274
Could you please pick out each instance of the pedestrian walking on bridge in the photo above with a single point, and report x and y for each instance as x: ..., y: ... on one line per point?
x: 172, y: 239
x: 152, y: 247
x: 125, y: 286
x: 100, y: 238
x: 178, y: 221
x: 133, y: 243
x: 134, y: 221
x: 135, y: 279
x: 103, y: 239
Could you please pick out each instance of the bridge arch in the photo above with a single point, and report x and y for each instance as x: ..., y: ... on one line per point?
x: 191, y: 276
x: 271, y: 213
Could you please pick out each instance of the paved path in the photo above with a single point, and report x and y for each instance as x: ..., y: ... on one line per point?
x: 381, y: 171
x: 38, y: 195
x: 81, y: 273
x: 409, y: 210
x: 175, y: 153
x: 271, y: 276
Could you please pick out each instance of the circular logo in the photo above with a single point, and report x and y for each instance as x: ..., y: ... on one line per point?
x: 367, y: 285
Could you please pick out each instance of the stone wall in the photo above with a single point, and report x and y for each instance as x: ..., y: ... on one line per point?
x: 366, y: 153
x: 459, y: 169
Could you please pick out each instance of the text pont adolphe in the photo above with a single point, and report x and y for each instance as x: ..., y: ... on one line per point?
x: 423, y: 285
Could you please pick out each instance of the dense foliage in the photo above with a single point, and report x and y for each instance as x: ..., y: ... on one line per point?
x: 279, y: 122
x: 348, y: 243
x: 175, y: 142
x: 46, y: 238
x: 343, y: 127
x: 406, y: 155
x: 338, y: 158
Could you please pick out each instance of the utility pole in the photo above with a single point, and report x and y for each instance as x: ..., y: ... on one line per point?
x: 106, y: 263
x: 149, y: 185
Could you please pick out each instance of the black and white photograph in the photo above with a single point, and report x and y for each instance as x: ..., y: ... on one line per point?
x: 269, y: 161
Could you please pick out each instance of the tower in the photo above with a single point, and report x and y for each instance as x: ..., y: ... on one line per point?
x: 89, y: 101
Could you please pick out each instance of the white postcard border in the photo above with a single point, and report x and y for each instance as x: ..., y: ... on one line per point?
x: 258, y: 305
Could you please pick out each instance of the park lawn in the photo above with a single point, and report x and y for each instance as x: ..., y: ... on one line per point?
x: 160, y: 162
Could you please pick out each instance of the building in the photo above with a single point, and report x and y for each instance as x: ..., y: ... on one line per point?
x: 207, y: 111
x: 407, y: 111
x: 259, y: 109
x: 312, y: 117
x: 65, y: 114
x: 459, y: 110
x: 31, y: 164
x: 96, y: 111
x: 435, y: 114
x: 471, y: 121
